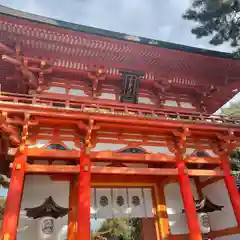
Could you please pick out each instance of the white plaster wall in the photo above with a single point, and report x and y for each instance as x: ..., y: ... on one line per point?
x: 157, y: 149
x: 218, y: 194
x: 205, y: 178
x: 186, y: 105
x: 77, y: 92
x: 177, y: 219
x: 108, y: 147
x: 110, y: 96
x: 171, y: 103
x: 145, y: 100
x: 36, y: 189
x: 233, y: 237
x: 58, y: 90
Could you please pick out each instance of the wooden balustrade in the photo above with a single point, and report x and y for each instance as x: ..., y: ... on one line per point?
x: 116, y: 109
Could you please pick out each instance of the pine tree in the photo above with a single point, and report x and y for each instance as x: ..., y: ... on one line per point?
x: 233, y: 110
x: 125, y: 229
x: 219, y: 19
x: 4, y: 182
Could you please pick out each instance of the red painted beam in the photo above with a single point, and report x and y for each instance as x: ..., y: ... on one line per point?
x: 108, y: 156
x: 68, y: 169
x: 46, y: 111
x: 73, y: 169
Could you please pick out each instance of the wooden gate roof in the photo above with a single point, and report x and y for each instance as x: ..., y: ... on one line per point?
x: 77, y: 47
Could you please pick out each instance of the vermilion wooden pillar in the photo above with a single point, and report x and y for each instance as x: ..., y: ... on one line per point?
x: 84, y: 198
x: 72, y: 216
x: 231, y: 187
x: 188, y: 201
x: 13, y: 201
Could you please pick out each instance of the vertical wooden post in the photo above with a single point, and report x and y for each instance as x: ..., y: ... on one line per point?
x: 72, y: 216
x: 188, y: 200
x: 84, y: 198
x: 14, y: 196
x: 231, y: 186
x: 162, y: 210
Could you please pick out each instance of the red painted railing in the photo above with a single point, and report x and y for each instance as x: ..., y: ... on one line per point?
x: 94, y: 106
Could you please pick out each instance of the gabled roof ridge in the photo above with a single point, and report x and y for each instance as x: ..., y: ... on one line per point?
x: 110, y: 34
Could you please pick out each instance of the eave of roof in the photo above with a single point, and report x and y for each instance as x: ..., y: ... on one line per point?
x: 110, y: 34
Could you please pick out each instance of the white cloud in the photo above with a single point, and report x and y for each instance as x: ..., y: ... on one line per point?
x: 158, y: 19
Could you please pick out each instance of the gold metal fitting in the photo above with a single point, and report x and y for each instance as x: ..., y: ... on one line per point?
x: 6, y: 236
x: 86, y: 168
x: 43, y: 63
x: 18, y: 166
x: 21, y: 148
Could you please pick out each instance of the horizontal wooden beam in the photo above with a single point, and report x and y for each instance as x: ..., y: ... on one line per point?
x: 39, y: 153
x: 202, y: 160
x: 224, y: 232
x: 109, y: 156
x: 67, y: 169
x: 51, y: 169
x: 131, y: 157
x: 47, y: 111
x: 73, y: 169
x: 200, y: 172
x: 134, y: 171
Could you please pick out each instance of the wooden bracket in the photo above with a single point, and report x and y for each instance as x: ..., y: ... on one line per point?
x: 91, y: 127
x: 9, y: 129
x: 96, y: 75
x: 180, y: 137
x: 82, y: 126
x: 24, y: 132
x: 227, y: 142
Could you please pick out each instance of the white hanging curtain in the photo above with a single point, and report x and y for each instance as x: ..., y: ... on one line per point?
x: 120, y: 203
x: 104, y: 203
x: 136, y: 203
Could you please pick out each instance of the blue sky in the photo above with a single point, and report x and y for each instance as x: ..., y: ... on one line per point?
x: 3, y: 192
x: 157, y: 19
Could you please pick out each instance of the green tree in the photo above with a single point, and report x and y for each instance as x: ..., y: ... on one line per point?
x: 233, y: 110
x: 219, y: 19
x: 135, y: 226
x: 127, y: 229
x: 116, y: 228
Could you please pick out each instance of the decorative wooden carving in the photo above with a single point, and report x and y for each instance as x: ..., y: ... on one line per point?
x: 48, y: 209
x: 204, y: 205
x: 130, y: 86
x: 56, y: 146
x: 133, y: 150
x: 200, y: 154
x: 32, y: 70
x: 95, y: 75
x: 9, y: 129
